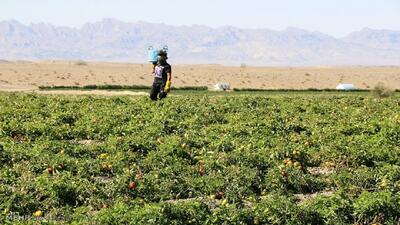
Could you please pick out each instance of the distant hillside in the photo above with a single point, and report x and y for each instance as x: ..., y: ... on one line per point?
x: 113, y: 40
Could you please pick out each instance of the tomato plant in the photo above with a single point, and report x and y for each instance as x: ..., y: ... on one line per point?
x: 243, y: 159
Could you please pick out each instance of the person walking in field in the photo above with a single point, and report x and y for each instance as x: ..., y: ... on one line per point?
x: 162, y: 77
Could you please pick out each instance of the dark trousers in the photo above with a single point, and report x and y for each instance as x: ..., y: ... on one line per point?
x: 157, y: 89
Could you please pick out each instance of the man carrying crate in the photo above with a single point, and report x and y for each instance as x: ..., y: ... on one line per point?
x: 162, y: 77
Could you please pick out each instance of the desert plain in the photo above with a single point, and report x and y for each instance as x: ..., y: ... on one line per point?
x: 28, y: 76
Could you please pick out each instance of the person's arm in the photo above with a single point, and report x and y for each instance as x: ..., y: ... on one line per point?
x: 169, y: 74
x: 154, y: 68
x: 169, y: 78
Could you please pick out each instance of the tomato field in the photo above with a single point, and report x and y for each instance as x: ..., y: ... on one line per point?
x: 241, y: 159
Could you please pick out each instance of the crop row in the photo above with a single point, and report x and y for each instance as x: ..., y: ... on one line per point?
x: 204, y: 160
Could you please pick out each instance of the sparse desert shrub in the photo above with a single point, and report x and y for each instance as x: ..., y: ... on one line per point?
x: 381, y: 91
x: 243, y: 65
x: 81, y: 63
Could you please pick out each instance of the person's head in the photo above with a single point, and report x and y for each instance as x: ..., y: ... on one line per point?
x: 162, y: 56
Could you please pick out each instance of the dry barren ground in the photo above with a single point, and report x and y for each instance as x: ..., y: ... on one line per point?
x: 22, y: 76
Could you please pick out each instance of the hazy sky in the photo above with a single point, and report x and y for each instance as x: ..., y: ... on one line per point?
x: 335, y: 17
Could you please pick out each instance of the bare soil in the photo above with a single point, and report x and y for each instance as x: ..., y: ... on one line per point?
x: 26, y: 76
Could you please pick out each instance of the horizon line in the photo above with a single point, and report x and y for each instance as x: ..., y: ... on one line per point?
x: 193, y: 25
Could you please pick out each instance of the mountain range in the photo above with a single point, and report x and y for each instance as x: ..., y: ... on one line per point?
x: 114, y: 40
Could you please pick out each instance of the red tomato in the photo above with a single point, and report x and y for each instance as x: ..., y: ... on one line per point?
x: 132, y: 185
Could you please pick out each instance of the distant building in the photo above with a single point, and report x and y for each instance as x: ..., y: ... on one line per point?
x: 345, y: 87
